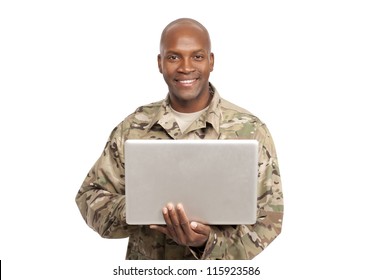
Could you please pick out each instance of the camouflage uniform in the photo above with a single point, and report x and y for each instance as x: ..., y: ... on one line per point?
x: 101, y: 198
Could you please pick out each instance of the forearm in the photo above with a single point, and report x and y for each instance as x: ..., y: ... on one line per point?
x: 101, y: 198
x: 103, y: 211
x: 242, y: 241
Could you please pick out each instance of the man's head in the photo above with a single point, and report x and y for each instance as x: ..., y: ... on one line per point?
x: 186, y: 60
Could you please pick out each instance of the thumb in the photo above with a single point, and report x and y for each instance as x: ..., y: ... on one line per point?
x: 200, y: 228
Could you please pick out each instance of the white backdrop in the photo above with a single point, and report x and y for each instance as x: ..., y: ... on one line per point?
x: 72, y: 70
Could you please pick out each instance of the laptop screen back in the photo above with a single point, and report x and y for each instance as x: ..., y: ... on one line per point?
x: 215, y: 180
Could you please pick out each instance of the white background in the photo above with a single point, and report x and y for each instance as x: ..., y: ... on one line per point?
x: 72, y: 70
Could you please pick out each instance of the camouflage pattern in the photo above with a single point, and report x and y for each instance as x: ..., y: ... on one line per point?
x: 101, y: 198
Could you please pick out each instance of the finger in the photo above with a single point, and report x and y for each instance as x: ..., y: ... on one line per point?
x: 161, y: 229
x: 169, y: 224
x: 183, y: 220
x: 175, y: 222
x: 200, y: 228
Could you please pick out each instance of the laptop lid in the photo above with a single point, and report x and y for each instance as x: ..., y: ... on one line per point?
x: 215, y: 180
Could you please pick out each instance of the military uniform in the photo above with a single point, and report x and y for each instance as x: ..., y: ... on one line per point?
x: 101, y: 198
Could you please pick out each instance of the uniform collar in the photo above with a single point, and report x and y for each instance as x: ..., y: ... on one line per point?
x: 212, y: 116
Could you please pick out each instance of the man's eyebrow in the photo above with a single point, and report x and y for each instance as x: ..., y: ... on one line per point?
x: 170, y: 51
x: 200, y: 50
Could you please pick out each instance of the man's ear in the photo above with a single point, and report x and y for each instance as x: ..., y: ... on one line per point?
x: 211, y: 62
x: 159, y: 63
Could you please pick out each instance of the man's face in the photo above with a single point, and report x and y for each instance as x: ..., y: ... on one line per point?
x: 185, y: 61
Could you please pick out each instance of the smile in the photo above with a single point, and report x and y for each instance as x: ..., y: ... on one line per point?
x: 186, y: 82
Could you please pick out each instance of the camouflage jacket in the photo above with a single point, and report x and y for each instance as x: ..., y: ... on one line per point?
x: 101, y: 198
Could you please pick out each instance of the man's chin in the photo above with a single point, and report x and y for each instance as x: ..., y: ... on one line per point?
x: 185, y: 96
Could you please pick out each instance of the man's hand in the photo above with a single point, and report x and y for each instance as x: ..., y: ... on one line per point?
x: 180, y: 229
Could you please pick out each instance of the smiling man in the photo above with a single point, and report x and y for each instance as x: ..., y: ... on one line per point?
x: 186, y: 60
x: 192, y: 109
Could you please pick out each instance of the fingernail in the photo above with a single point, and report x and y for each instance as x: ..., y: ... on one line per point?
x: 164, y: 210
x: 193, y: 225
x: 179, y: 206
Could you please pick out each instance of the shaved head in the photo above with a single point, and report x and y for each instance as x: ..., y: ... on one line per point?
x: 185, y: 61
x: 185, y: 23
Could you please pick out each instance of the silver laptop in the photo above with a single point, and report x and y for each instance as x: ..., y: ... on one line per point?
x: 215, y: 180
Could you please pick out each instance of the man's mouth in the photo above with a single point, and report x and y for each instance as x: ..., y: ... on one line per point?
x: 188, y: 82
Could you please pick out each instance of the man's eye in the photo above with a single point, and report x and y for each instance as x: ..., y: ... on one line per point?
x: 199, y: 57
x: 172, y: 57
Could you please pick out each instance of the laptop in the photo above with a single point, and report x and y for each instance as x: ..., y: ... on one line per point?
x: 215, y: 180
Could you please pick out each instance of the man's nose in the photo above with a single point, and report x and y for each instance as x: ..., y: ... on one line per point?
x: 186, y: 65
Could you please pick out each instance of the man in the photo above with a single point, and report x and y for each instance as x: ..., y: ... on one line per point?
x: 193, y: 109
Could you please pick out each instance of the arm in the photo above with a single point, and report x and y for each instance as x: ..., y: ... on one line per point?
x: 101, y: 198
x: 234, y: 242
x: 246, y: 241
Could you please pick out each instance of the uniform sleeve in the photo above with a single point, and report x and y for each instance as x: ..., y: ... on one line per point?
x: 247, y: 241
x: 101, y: 198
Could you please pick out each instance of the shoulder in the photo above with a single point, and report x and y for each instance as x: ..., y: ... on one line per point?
x: 234, y: 113
x: 226, y: 105
x: 241, y: 122
x: 140, y: 118
x: 148, y: 109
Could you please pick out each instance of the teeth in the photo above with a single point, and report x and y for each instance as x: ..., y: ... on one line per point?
x: 186, y: 81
